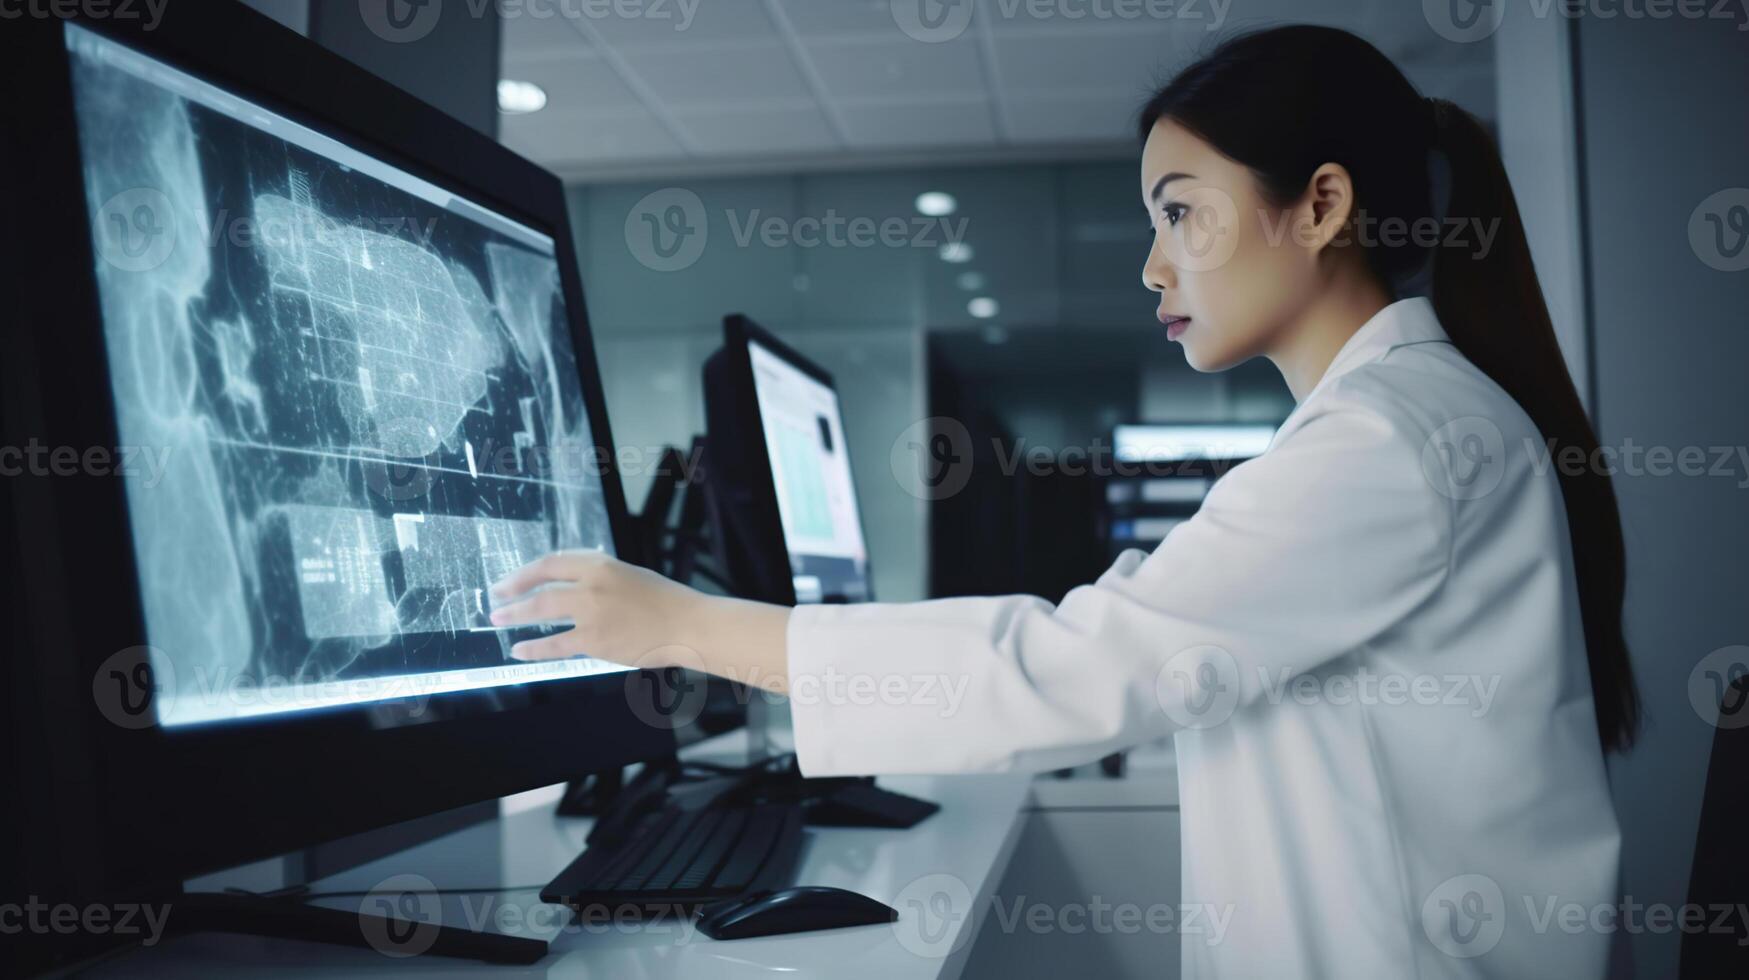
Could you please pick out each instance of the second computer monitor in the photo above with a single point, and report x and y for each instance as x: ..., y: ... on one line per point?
x: 806, y: 467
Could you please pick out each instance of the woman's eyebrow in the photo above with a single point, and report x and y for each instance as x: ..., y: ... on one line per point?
x: 1160, y: 185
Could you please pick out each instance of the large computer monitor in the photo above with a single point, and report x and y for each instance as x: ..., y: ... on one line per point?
x: 780, y: 470
x: 308, y: 367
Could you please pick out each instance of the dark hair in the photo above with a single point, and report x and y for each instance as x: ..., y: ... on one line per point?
x: 1285, y: 101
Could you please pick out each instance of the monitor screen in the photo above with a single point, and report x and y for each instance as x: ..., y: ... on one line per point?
x: 810, y: 468
x: 352, y: 395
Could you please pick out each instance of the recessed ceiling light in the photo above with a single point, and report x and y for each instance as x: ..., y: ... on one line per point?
x: 983, y: 308
x: 971, y: 282
x: 955, y: 252
x: 520, y: 98
x: 936, y: 204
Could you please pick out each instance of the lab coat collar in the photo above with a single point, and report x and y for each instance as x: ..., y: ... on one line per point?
x: 1405, y: 322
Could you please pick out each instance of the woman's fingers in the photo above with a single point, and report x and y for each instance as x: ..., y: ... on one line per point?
x: 554, y: 603
x: 560, y: 566
x: 559, y: 646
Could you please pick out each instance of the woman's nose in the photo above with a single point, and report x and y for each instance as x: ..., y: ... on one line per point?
x: 1157, y: 273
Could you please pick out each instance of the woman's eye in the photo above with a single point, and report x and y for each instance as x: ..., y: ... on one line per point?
x: 1172, y: 213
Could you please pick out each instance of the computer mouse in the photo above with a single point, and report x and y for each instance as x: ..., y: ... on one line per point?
x: 802, y: 909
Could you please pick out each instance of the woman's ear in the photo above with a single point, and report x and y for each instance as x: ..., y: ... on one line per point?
x: 1327, y: 206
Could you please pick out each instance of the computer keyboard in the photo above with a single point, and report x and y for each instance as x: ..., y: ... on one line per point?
x: 680, y: 857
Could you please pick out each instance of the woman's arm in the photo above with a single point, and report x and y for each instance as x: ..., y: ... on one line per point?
x: 633, y: 616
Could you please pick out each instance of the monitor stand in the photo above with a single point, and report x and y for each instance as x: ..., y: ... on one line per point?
x: 289, y: 918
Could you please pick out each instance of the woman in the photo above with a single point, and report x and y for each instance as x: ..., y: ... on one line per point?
x: 1390, y: 647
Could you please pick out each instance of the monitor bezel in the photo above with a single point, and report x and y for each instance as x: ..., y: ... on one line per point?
x: 127, y: 810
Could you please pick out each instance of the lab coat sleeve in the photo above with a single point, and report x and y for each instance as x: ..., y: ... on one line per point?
x: 1295, y: 558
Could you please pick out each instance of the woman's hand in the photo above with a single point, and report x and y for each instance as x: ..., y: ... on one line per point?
x: 633, y: 616
x: 623, y: 613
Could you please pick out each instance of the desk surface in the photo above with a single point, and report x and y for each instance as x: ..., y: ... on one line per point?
x: 937, y: 875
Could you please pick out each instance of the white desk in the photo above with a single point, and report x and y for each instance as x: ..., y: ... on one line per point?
x: 940, y: 875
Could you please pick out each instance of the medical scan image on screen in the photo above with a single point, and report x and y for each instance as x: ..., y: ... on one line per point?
x: 816, y: 498
x: 363, y: 388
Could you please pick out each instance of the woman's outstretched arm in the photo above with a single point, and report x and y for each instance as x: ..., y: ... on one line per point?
x: 633, y: 616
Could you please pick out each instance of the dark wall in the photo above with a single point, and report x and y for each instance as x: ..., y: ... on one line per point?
x: 445, y: 53
x: 1663, y: 130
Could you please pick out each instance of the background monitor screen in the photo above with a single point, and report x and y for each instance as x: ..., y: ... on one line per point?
x: 810, y: 467
x: 351, y: 396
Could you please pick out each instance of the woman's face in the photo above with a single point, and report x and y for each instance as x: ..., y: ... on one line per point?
x: 1230, y: 270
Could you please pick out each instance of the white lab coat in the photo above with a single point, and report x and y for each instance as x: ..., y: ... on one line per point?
x: 1403, y: 536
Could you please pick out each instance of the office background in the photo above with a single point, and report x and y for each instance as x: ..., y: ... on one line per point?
x: 1617, y: 129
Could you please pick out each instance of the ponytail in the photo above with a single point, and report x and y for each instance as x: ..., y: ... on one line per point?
x: 1287, y: 100
x: 1491, y: 305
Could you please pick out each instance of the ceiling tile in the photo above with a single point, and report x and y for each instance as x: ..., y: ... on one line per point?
x: 575, y: 83
x: 1098, y: 117
x: 556, y: 138
x: 665, y: 22
x: 527, y: 34
x: 757, y: 131
x: 814, y: 18
x: 1119, y: 65
x: 738, y: 75
x: 918, y: 124
x: 881, y: 68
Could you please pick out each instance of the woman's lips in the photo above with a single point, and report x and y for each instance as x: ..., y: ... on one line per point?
x: 1175, y: 326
